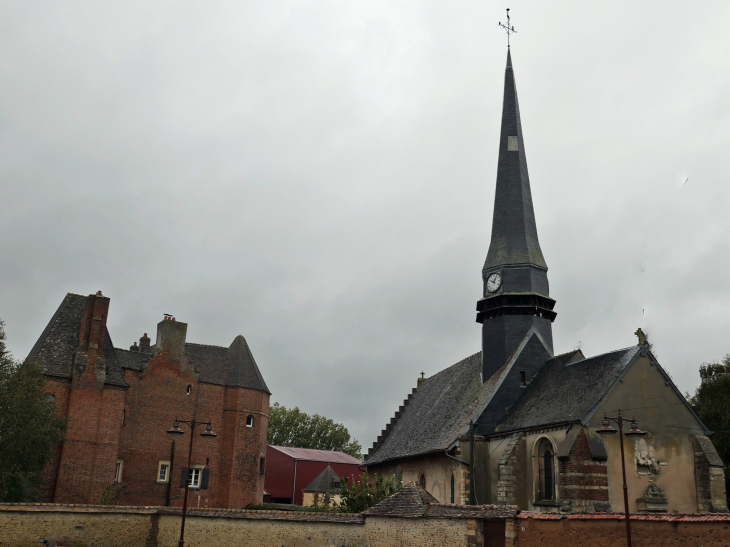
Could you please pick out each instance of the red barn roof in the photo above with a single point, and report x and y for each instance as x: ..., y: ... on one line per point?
x: 313, y: 455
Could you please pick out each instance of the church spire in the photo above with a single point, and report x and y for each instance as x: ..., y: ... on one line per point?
x: 514, y: 232
x: 516, y: 296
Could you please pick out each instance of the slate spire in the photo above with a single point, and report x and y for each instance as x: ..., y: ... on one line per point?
x: 514, y: 232
x: 516, y: 295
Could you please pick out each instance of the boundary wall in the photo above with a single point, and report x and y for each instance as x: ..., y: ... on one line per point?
x: 23, y: 525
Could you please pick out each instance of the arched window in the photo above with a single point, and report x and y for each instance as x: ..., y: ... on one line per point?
x: 546, y: 475
x: 453, y: 493
x: 422, y: 480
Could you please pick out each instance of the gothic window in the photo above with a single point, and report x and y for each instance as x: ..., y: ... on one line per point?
x: 453, y: 484
x: 422, y: 480
x: 546, y: 468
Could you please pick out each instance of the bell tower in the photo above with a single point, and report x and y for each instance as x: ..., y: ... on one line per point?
x: 515, y: 293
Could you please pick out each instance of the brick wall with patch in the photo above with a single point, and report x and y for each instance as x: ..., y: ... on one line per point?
x: 121, y: 402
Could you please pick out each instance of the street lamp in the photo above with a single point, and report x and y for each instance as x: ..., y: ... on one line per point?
x: 606, y: 429
x: 176, y: 430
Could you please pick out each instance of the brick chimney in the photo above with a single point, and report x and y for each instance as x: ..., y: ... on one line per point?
x: 134, y: 347
x: 171, y: 337
x: 144, y: 344
x: 90, y: 353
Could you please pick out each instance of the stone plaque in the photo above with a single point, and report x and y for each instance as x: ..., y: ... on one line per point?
x: 512, y: 145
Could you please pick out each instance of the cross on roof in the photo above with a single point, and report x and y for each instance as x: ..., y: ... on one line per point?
x: 509, y: 28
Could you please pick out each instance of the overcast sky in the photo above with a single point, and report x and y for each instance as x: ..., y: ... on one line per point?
x: 319, y: 177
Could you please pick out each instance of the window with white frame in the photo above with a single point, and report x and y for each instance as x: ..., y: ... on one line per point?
x: 118, y: 471
x: 249, y: 421
x: 194, y: 476
x: 163, y: 472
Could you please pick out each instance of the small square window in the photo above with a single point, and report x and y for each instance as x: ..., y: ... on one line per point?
x: 163, y: 472
x: 118, y: 472
x: 249, y: 421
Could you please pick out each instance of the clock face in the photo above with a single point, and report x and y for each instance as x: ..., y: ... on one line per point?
x: 493, y: 282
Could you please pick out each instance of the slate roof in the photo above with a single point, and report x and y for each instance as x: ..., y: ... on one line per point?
x: 326, y: 481
x: 55, y: 349
x: 437, y: 413
x: 412, y: 501
x: 57, y: 344
x: 566, y: 392
x: 314, y: 455
x: 514, y: 231
x: 231, y: 366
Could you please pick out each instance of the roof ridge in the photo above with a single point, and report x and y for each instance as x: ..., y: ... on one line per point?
x: 605, y: 353
x: 204, y: 345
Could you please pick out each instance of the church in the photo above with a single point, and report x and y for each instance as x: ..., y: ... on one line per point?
x: 120, y: 403
x: 516, y: 424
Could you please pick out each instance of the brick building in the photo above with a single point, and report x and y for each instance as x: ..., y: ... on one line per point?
x: 516, y: 424
x: 120, y: 404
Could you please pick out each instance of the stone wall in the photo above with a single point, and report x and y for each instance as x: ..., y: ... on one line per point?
x: 22, y: 525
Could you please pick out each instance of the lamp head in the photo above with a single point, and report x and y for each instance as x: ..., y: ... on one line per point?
x: 175, y: 429
x: 208, y: 431
x: 634, y: 431
x: 606, y: 428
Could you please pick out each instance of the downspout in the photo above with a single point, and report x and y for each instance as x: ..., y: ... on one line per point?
x: 169, y: 474
x: 294, y: 486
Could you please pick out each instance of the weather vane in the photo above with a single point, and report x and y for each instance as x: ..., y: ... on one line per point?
x: 509, y: 28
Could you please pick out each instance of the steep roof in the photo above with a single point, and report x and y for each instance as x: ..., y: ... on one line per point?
x: 412, y: 501
x: 437, y: 413
x: 326, y: 481
x: 231, y: 366
x: 55, y: 349
x: 514, y: 231
x: 57, y: 344
x: 567, y: 390
x: 314, y: 455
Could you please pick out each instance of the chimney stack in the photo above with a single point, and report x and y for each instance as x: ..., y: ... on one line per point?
x: 144, y: 344
x: 171, y: 336
x: 134, y: 347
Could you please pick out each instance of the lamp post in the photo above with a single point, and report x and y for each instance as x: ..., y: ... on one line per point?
x: 606, y: 429
x: 175, y: 430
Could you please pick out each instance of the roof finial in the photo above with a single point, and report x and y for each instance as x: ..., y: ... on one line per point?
x: 509, y: 28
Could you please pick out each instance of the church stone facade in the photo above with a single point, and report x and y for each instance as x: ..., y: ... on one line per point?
x: 515, y: 424
x: 120, y: 403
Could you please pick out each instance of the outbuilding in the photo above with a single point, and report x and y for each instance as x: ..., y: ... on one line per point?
x: 289, y: 470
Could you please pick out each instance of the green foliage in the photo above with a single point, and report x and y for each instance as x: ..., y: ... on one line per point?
x: 109, y: 494
x: 292, y: 427
x: 711, y: 402
x: 362, y: 495
x: 29, y: 426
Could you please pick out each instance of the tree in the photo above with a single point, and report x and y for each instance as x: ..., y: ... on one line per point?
x: 29, y: 426
x: 292, y: 427
x: 711, y: 402
x: 361, y: 495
